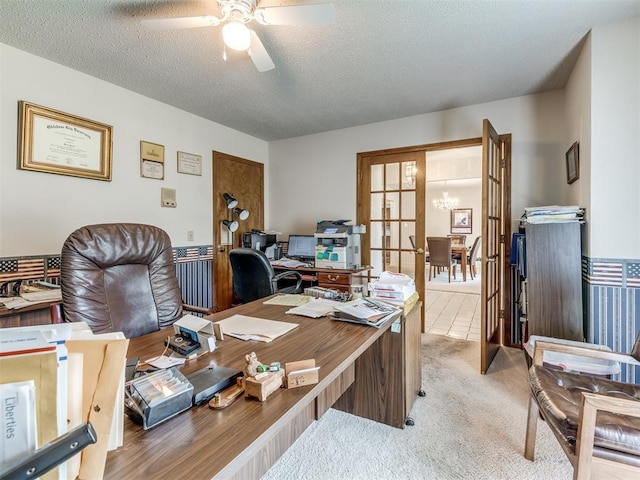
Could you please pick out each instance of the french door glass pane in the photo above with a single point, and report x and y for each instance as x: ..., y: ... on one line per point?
x: 408, y: 172
x: 393, y: 206
x: 406, y: 229
x: 377, y: 206
x: 376, y: 235
x: 392, y: 181
x: 408, y: 265
x: 376, y: 263
x: 377, y: 177
x: 408, y: 209
x: 392, y: 235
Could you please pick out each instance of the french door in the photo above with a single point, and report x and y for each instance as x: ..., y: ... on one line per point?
x: 496, y: 228
x: 391, y: 199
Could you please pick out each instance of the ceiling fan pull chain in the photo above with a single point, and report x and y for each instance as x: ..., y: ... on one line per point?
x: 224, y: 52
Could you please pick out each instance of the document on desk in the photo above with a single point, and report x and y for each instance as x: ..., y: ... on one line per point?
x: 252, y: 328
x: 315, y: 308
x: 291, y: 299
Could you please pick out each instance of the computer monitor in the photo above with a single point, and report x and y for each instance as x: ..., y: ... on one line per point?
x: 302, y: 246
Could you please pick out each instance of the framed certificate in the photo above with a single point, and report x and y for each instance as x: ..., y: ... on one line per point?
x: 189, y: 163
x: 56, y: 142
x: 151, y: 160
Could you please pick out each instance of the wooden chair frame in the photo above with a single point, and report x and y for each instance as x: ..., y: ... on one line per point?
x: 586, y: 463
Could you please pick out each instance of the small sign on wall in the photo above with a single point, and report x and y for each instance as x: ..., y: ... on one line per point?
x: 151, y: 160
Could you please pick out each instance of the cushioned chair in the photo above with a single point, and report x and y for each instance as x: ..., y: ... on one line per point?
x: 472, y: 258
x: 254, y: 278
x: 595, y: 420
x: 120, y: 277
x: 440, y: 256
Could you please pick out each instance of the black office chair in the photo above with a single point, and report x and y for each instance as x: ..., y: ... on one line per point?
x: 254, y: 277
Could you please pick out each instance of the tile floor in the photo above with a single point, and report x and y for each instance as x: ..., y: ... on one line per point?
x: 456, y: 315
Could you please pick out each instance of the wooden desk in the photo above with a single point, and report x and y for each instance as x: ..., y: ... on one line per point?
x: 39, y: 314
x: 245, y: 439
x: 336, y: 278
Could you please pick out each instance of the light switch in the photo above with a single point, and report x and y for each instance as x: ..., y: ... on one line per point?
x: 168, y: 197
x: 189, y: 235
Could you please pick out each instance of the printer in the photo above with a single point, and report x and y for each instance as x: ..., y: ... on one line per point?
x: 338, y: 244
x: 258, y: 240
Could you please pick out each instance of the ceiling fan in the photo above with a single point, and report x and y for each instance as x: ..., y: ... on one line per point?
x: 236, y: 14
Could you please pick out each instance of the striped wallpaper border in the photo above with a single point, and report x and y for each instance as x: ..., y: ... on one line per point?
x: 611, y: 305
x: 194, y: 267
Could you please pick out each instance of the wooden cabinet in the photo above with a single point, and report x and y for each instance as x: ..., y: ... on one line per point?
x: 337, y: 281
x: 39, y: 314
x: 554, y: 280
x: 395, y: 361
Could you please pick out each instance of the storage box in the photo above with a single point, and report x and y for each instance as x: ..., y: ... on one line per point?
x: 156, y: 397
x: 263, y: 387
x: 300, y: 374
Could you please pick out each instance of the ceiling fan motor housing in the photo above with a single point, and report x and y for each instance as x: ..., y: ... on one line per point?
x: 238, y: 10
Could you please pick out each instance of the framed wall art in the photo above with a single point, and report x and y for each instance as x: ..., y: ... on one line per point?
x: 151, y: 160
x: 189, y: 163
x: 573, y: 163
x: 51, y: 141
x: 461, y: 220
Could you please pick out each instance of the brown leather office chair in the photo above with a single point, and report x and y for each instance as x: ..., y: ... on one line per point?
x: 440, y: 256
x: 120, y: 277
x: 254, y: 277
x: 472, y: 258
x: 595, y: 420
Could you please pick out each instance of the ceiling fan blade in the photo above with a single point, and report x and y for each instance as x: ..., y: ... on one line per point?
x: 319, y: 14
x: 181, y: 22
x: 259, y: 55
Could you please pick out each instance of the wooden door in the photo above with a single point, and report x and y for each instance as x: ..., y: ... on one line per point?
x: 244, y: 179
x: 496, y: 226
x: 391, y: 199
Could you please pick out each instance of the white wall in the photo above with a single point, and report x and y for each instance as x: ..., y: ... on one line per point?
x: 38, y: 210
x: 315, y: 175
x: 578, y: 129
x: 438, y: 222
x: 615, y: 140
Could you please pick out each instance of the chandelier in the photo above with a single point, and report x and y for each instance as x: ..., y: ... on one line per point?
x: 445, y: 202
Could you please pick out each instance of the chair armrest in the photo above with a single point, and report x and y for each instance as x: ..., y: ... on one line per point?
x: 581, y: 351
x: 202, y: 310
x: 288, y: 273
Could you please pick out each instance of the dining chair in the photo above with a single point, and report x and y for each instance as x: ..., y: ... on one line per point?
x: 440, y: 256
x: 472, y: 257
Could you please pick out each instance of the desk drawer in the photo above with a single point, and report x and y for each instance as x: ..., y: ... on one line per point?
x: 328, y: 279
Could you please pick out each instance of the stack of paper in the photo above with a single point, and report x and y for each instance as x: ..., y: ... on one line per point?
x: 553, y: 214
x: 394, y: 288
x: 365, y: 311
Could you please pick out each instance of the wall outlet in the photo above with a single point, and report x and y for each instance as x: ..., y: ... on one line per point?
x: 190, y: 236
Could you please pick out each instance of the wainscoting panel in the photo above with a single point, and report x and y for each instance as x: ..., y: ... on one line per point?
x: 612, y: 305
x: 193, y: 269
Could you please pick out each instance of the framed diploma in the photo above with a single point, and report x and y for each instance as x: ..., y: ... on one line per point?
x: 55, y: 142
x: 151, y: 160
x: 189, y: 163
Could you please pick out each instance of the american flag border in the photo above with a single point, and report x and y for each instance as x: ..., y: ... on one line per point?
x: 194, y: 277
x: 611, y: 304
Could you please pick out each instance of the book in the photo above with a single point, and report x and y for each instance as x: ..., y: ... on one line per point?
x: 19, y: 432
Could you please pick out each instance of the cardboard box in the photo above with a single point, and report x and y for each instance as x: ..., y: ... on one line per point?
x: 300, y: 374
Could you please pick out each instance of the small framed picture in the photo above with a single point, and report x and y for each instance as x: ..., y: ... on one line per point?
x: 461, y: 220
x: 189, y: 163
x: 151, y: 160
x: 573, y: 163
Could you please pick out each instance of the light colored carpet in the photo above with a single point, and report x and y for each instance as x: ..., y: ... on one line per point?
x: 469, y: 426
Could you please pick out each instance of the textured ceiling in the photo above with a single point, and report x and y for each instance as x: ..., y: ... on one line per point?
x: 381, y: 60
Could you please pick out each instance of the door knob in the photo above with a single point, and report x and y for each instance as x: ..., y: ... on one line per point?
x: 420, y: 250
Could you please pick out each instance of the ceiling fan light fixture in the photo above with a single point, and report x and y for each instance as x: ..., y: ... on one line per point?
x: 236, y: 36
